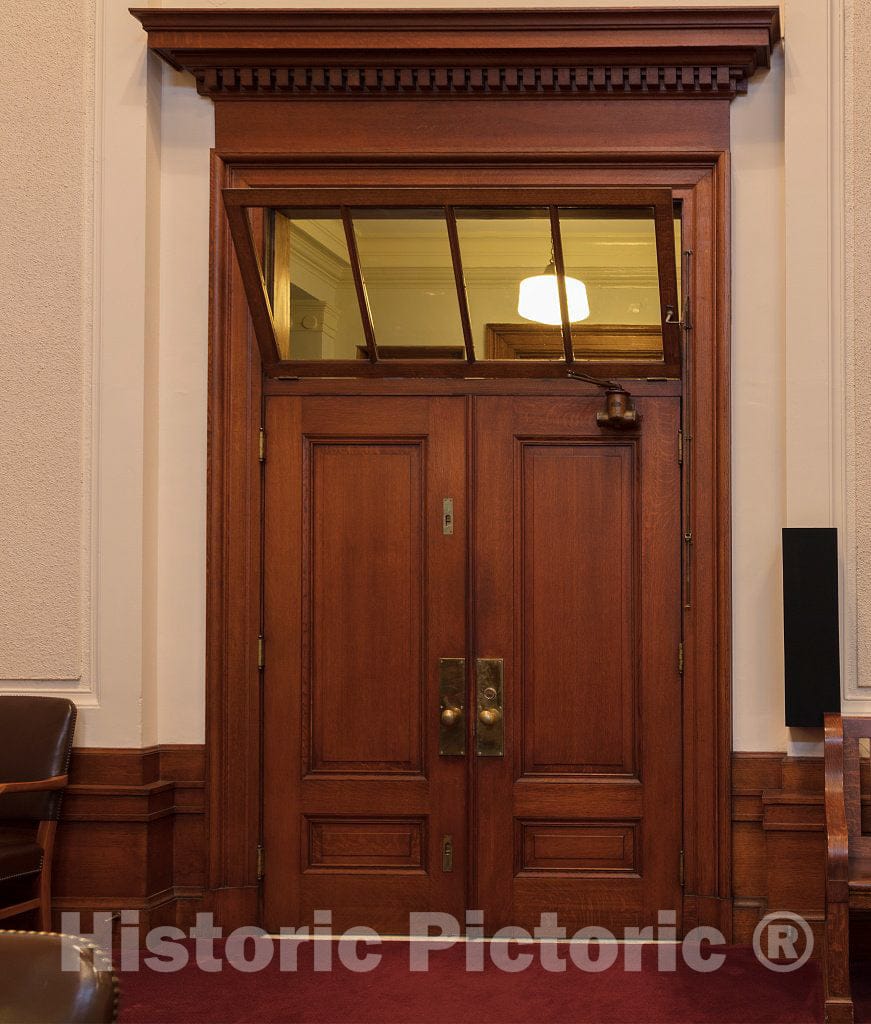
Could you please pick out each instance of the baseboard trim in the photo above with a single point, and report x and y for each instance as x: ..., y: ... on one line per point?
x: 778, y: 840
x: 132, y: 834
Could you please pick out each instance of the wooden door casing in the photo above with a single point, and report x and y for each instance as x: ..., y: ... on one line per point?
x: 364, y: 593
x: 234, y: 558
x: 577, y: 589
x: 338, y: 131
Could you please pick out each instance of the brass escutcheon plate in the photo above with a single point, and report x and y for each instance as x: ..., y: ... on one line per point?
x: 490, y: 718
x: 452, y: 706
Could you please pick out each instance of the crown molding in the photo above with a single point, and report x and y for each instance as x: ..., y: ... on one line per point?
x: 236, y: 54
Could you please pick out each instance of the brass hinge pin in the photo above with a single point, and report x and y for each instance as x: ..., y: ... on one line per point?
x: 261, y: 656
x: 680, y: 657
x: 680, y: 447
x: 262, y: 445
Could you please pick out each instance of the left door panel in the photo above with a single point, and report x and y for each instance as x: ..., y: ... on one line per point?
x: 364, y: 594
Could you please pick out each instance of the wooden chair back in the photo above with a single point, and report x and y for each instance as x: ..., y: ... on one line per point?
x: 856, y: 780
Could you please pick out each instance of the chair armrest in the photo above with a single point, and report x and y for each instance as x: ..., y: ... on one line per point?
x: 837, y: 837
x: 35, y: 786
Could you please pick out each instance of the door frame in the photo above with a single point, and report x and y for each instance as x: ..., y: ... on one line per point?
x: 475, y: 97
x: 234, y: 565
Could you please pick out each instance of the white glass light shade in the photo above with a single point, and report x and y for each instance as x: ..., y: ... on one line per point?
x: 539, y: 299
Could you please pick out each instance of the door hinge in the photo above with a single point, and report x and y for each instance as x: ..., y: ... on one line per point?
x: 261, y: 655
x: 681, y: 869
x: 680, y: 447
x: 680, y: 657
x: 261, y: 862
x: 262, y: 445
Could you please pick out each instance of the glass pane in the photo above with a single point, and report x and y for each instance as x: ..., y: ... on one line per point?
x: 613, y: 253
x: 405, y: 260
x: 405, y: 257
x: 506, y: 253
x: 311, y: 288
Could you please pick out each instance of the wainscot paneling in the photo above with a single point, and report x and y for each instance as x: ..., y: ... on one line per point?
x: 778, y: 840
x: 132, y: 834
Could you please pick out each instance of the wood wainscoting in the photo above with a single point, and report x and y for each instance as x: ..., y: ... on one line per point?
x: 132, y: 834
x: 778, y: 840
x: 132, y: 837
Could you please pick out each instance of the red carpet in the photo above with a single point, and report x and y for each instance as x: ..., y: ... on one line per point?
x: 740, y: 992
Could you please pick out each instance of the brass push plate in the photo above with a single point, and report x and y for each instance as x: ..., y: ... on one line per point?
x: 452, y: 706
x: 490, y: 720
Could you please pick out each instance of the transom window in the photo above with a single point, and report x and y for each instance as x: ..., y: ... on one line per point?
x: 472, y: 282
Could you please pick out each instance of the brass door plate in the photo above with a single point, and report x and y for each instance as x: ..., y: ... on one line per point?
x: 490, y: 718
x: 448, y: 517
x: 447, y: 853
x: 452, y: 706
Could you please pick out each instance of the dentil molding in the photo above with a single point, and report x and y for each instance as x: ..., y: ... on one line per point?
x: 234, y: 54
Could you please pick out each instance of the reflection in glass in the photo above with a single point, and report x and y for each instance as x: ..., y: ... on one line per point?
x: 613, y: 251
x: 405, y: 258
x: 539, y: 298
x: 501, y: 250
x: 311, y: 288
x: 611, y: 278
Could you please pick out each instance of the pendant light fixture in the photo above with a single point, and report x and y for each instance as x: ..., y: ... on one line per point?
x: 538, y: 299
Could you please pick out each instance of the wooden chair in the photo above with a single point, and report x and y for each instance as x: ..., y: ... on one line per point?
x: 36, y: 738
x: 848, y: 857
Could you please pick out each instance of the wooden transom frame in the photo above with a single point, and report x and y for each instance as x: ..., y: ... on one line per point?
x: 453, y: 98
x: 450, y: 201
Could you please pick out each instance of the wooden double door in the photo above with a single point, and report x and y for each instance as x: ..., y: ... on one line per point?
x: 471, y: 690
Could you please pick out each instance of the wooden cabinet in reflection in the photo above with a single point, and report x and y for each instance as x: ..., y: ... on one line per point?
x: 608, y: 341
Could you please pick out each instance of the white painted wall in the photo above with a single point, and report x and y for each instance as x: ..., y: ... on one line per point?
x: 758, y: 411
x: 142, y: 478
x: 187, y: 135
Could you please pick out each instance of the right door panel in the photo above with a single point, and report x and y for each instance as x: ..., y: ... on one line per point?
x: 577, y: 585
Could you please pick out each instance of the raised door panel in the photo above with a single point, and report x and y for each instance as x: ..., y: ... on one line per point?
x: 565, y: 847
x: 577, y: 550
x: 365, y: 562
x: 365, y: 592
x: 342, y: 844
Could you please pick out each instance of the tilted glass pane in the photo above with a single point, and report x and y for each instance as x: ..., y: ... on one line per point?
x: 612, y: 282
x: 311, y: 287
x: 405, y: 258
x: 612, y: 251
x: 506, y: 253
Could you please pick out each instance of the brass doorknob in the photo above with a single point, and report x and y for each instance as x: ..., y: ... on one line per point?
x: 489, y: 716
x: 450, y: 716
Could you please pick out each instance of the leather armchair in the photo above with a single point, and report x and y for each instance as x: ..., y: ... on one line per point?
x: 36, y: 989
x: 36, y: 738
